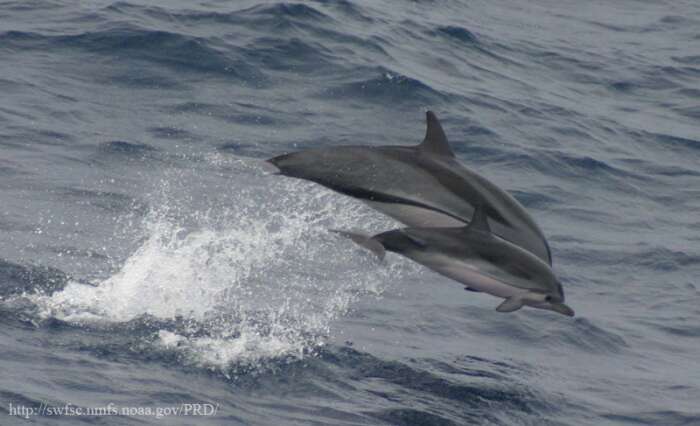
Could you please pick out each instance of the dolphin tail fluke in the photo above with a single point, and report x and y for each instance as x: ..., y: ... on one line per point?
x: 365, y: 241
x: 511, y: 304
x: 269, y: 167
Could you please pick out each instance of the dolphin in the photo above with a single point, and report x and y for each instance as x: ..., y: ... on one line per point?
x: 477, y: 258
x: 420, y: 186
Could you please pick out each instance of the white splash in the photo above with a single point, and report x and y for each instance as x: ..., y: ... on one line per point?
x: 256, y: 268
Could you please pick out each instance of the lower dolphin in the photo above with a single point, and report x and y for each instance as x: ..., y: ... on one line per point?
x: 420, y: 186
x: 475, y: 257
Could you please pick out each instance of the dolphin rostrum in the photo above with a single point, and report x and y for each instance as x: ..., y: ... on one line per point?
x: 420, y: 186
x: 477, y: 258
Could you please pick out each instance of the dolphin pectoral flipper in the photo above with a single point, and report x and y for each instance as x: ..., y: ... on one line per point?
x: 511, y: 304
x: 365, y: 241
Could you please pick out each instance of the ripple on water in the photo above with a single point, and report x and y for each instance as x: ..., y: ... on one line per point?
x: 386, y: 86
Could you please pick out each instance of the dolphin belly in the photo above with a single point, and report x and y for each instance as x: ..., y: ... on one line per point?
x: 474, y: 279
x: 468, y: 273
x: 415, y: 216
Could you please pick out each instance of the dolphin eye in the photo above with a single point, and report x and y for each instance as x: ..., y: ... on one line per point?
x: 548, y: 299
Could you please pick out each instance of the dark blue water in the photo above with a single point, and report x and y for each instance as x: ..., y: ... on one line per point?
x: 147, y: 260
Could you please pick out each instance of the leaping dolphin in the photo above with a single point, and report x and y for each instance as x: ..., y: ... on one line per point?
x: 477, y: 258
x: 420, y: 186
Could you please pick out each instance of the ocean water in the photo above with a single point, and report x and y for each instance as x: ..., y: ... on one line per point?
x: 148, y: 262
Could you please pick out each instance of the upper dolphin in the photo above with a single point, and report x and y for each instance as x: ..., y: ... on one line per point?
x: 477, y: 258
x: 420, y: 186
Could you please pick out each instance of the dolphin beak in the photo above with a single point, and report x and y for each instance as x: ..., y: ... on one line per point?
x: 562, y: 309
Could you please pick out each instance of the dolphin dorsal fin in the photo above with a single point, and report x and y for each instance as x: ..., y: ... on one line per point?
x: 479, y: 219
x: 435, y: 141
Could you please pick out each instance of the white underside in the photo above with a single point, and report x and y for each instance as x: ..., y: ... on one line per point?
x: 472, y: 278
x: 415, y: 216
x: 476, y: 276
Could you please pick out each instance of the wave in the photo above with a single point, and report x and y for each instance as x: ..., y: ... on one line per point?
x: 137, y: 152
x: 663, y: 259
x: 107, y: 200
x: 18, y: 279
x: 644, y: 254
x: 130, y: 148
x: 586, y: 336
x: 458, y: 33
x: 177, y: 51
x: 290, y: 54
x: 430, y: 396
x: 687, y: 60
x: 666, y: 417
x: 280, y: 11
x: 386, y: 86
x: 656, y: 168
x: 348, y: 9
x: 169, y: 133
x: 563, y: 165
x: 672, y: 142
x: 236, y: 112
